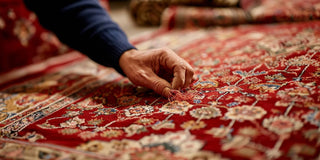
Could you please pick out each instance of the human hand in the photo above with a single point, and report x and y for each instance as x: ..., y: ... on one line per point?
x: 155, y: 68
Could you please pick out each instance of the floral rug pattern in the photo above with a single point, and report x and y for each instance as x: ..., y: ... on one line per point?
x: 256, y: 97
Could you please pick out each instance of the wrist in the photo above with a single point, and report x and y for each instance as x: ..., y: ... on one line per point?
x: 125, y: 58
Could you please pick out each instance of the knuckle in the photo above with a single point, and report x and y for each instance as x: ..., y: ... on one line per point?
x: 166, y: 50
x: 180, y: 67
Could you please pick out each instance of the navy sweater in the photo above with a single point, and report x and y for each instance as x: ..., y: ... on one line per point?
x: 85, y: 26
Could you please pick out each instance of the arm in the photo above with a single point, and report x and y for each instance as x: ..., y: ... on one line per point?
x: 85, y: 26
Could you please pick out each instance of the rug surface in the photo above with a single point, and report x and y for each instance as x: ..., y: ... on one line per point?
x: 256, y: 97
x: 23, y: 40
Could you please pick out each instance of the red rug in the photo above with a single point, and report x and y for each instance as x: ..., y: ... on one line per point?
x: 250, y: 11
x: 23, y: 41
x: 256, y: 97
x: 149, y: 12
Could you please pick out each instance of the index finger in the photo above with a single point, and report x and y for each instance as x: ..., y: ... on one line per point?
x: 182, y: 71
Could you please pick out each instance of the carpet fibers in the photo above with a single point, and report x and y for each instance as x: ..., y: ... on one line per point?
x: 256, y: 97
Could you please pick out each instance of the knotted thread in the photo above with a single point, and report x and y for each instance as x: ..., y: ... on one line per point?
x: 180, y: 95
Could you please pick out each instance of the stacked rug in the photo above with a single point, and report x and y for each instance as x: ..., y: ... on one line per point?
x: 257, y: 96
x: 207, y: 13
x: 149, y: 12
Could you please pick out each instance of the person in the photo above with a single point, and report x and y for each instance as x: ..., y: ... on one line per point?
x: 87, y: 27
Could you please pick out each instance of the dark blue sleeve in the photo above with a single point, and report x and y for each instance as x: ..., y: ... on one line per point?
x: 85, y: 26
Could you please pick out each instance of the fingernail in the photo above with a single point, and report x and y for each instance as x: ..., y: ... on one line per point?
x: 194, y: 77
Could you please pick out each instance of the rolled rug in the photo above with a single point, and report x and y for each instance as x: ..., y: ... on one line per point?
x: 190, y: 17
x: 264, y: 11
x: 149, y: 12
x: 215, y: 3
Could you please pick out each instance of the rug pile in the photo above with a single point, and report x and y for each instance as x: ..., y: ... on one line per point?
x: 257, y: 96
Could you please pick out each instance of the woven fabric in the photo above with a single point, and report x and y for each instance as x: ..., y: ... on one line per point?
x: 256, y: 97
x: 286, y: 11
x: 23, y: 41
x: 149, y: 12
x: 250, y: 11
x: 200, y: 17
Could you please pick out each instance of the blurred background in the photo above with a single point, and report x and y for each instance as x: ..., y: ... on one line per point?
x: 120, y: 13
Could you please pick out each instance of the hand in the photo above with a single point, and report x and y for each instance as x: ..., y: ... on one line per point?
x: 155, y: 68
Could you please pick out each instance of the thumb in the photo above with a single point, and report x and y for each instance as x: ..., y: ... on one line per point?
x: 159, y: 85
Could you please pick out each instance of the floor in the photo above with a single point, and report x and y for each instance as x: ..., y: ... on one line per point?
x: 119, y: 12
